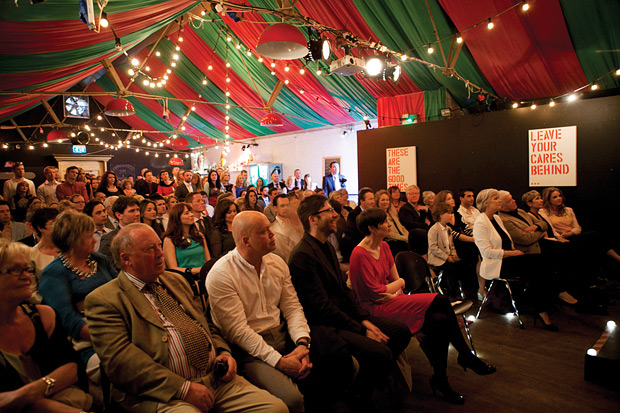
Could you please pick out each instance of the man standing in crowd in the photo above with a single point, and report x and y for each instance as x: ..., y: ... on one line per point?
x: 47, y: 190
x: 333, y: 181
x: 146, y: 187
x: 10, y: 186
x: 96, y: 210
x: 276, y: 183
x: 155, y: 345
x: 298, y: 182
x: 71, y: 186
x: 286, y: 234
x: 327, y: 301
x: 12, y: 231
x: 185, y: 187
x: 126, y: 211
x: 468, y: 211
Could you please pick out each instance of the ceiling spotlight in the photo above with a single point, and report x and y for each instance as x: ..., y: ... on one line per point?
x: 392, y: 72
x: 319, y: 50
x: 374, y: 65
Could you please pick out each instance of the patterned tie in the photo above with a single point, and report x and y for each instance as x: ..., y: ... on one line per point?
x: 196, y: 341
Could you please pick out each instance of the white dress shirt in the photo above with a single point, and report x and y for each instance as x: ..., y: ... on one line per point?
x: 98, y: 234
x: 47, y: 192
x: 469, y: 216
x: 244, y: 303
x: 287, y: 237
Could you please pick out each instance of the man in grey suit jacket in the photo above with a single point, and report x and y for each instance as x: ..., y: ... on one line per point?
x: 9, y: 229
x: 136, y: 323
x: 126, y: 211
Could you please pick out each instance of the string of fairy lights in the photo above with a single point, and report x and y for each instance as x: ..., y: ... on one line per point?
x: 135, y: 139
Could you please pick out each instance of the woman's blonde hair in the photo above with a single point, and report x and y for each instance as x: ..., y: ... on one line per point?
x: 69, y: 227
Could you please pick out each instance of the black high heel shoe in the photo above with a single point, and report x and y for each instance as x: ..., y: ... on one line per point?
x: 441, y: 384
x: 548, y: 327
x: 468, y: 360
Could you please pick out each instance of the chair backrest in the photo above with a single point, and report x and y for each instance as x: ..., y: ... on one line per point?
x: 413, y: 268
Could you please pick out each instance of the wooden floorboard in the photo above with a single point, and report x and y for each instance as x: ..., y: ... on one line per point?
x: 537, y: 370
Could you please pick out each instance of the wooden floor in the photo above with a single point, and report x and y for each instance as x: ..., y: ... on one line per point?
x: 537, y: 370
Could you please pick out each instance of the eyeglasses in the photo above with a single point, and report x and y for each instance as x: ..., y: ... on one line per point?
x: 330, y: 210
x: 17, y: 271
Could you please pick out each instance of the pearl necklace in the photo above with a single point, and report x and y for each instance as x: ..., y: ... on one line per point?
x: 92, y: 264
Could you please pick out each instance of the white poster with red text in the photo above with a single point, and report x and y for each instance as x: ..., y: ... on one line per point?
x: 401, y: 167
x: 553, y: 156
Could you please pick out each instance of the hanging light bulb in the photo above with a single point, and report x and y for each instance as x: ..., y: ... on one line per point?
x: 459, y: 39
x: 594, y: 87
x: 175, y: 56
x: 618, y: 72
x: 130, y: 72
x: 572, y: 97
x: 260, y: 59
x: 177, y: 48
x: 173, y: 64
x: 227, y: 93
x: 249, y: 53
x: 490, y: 24
x: 147, y: 68
x: 227, y: 64
x: 135, y: 62
x: 180, y: 39
x: 302, y: 71
x: 403, y: 57
x: 145, y: 82
x: 515, y: 105
x: 168, y: 71
x: 286, y: 69
x: 525, y: 6
x: 430, y: 49
x: 319, y: 72
x: 533, y: 106
x: 552, y: 103
x: 238, y: 46
x: 210, y: 67
x: 157, y: 53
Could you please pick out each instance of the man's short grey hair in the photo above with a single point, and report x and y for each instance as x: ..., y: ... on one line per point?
x: 484, y: 196
x: 109, y: 201
x: 412, y: 186
x: 503, y: 193
x: 123, y: 242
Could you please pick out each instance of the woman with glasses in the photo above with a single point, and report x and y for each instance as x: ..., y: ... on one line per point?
x: 39, y: 367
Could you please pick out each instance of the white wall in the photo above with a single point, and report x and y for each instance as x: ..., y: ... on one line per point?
x: 303, y: 150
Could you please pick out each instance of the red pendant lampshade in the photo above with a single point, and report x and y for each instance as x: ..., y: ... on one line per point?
x: 179, y: 141
x: 119, y: 107
x: 271, y: 119
x: 283, y: 42
x: 175, y: 161
x: 56, y: 135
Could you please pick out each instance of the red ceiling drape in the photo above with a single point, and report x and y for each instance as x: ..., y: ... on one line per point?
x: 526, y: 55
x: 390, y: 109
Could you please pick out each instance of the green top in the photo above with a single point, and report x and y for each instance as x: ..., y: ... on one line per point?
x: 191, y: 257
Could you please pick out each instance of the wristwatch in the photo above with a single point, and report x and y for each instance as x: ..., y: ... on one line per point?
x: 304, y: 343
x: 50, y: 385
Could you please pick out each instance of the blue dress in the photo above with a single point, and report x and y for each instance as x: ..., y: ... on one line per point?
x: 62, y: 289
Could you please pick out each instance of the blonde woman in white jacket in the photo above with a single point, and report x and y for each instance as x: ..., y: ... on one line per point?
x: 500, y: 259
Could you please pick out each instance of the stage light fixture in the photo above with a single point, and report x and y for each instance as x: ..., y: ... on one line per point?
x: 374, y: 65
x: 392, y: 72
x: 319, y: 50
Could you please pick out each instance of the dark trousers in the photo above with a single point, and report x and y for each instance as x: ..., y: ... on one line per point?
x: 532, y: 269
x: 441, y: 328
x: 375, y: 359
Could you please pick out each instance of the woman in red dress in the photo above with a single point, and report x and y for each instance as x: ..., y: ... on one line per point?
x: 380, y: 290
